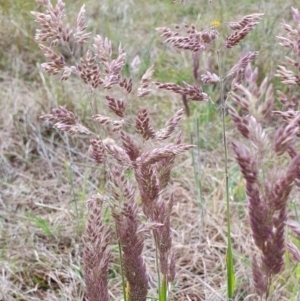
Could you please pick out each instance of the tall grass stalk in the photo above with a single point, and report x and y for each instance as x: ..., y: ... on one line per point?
x: 159, y: 283
x: 229, y: 255
x: 125, y: 295
x: 196, y: 162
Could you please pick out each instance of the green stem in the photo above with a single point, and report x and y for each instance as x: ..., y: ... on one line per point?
x: 157, y: 265
x: 229, y: 259
x: 122, y: 273
x: 197, y: 170
x: 164, y: 289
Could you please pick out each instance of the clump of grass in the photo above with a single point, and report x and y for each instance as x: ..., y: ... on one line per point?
x: 151, y: 166
x: 268, y: 184
x: 267, y: 187
x: 200, y: 41
x: 149, y: 159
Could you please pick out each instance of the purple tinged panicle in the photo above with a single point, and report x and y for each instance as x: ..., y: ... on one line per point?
x: 284, y: 185
x: 243, y: 62
x: 148, y: 184
x: 286, y: 135
x: 172, y: 272
x: 65, y: 121
x: 116, y: 105
x: 97, y: 150
x: 260, y: 219
x: 241, y: 123
x: 267, y: 228
x: 238, y: 25
x: 267, y: 212
x: 192, y: 92
x: 274, y: 248
x: 291, y: 40
x: 96, y: 254
x: 241, y: 29
x: 162, y: 215
x: 157, y: 154
x: 142, y: 125
x: 259, y: 278
x: 121, y: 188
x: 130, y: 146
x: 81, y: 35
x: 145, y: 84
x: 119, y: 154
x: 170, y: 127
x: 126, y: 84
x: 294, y: 251
x: 268, y: 195
x: 193, y: 40
x: 210, y: 78
x: 164, y: 167
x: 295, y: 227
x: 132, y: 244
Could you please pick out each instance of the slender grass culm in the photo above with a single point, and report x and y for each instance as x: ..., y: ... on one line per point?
x: 137, y: 159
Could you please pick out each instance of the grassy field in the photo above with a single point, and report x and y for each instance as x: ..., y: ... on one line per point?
x: 46, y: 176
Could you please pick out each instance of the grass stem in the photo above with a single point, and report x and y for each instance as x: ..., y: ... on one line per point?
x: 122, y: 273
x: 229, y: 259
